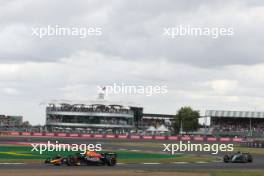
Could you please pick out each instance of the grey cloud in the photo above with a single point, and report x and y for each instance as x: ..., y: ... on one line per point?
x: 132, y: 50
x: 133, y: 30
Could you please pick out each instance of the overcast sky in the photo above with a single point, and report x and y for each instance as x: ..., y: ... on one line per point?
x: 205, y: 73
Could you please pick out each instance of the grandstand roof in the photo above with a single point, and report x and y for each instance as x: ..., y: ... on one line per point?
x: 234, y: 114
x: 91, y: 102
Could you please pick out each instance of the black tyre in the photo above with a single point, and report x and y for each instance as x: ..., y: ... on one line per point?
x: 71, y: 161
x: 47, y: 161
x: 244, y: 159
x: 111, y: 162
x: 250, y: 158
x: 57, y: 164
x: 226, y: 159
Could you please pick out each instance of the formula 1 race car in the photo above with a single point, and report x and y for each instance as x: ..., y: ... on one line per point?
x: 238, y: 158
x: 89, y: 158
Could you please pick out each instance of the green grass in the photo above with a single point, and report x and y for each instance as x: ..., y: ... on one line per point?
x: 250, y: 150
x: 237, y: 173
x: 149, y: 145
x: 183, y: 158
x: 222, y: 172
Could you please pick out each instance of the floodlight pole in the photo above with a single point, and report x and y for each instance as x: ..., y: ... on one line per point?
x: 250, y: 126
x: 205, y: 125
x: 181, y: 128
x: 250, y: 123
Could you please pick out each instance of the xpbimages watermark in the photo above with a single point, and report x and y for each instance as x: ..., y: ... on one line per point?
x: 133, y: 89
x: 56, y: 30
x: 189, y: 147
x: 188, y: 30
x: 50, y: 147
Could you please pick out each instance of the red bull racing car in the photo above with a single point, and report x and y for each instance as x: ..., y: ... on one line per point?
x: 88, y: 158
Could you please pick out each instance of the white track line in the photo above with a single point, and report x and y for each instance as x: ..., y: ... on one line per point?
x: 201, y: 162
x: 150, y: 163
x: 217, y: 161
x: 179, y: 162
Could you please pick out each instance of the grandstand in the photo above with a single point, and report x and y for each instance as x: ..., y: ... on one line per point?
x: 10, y: 122
x: 89, y: 117
x: 236, y: 123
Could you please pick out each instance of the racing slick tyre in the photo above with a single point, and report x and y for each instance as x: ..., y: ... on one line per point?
x: 47, y: 161
x: 111, y: 162
x: 250, y: 158
x: 244, y: 160
x: 226, y: 159
x: 72, y: 161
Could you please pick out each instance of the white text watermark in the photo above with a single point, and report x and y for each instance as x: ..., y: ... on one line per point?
x: 56, y: 30
x: 133, y: 89
x: 190, y: 147
x: 50, y: 147
x: 188, y: 30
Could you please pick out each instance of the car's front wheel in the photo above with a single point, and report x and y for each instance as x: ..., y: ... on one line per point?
x: 111, y: 162
x: 226, y: 159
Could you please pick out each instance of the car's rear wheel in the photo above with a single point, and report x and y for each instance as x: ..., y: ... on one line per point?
x: 250, y: 159
x: 111, y: 162
x: 72, y: 161
x: 244, y: 159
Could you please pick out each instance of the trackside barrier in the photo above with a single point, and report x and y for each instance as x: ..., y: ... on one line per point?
x: 237, y: 140
x: 61, y: 134
x: 147, y: 137
x: 122, y: 136
x: 132, y: 136
x: 225, y: 139
x: 110, y: 136
x: 49, y: 134
x: 211, y: 139
x: 26, y: 134
x: 74, y: 135
x: 14, y: 133
x: 98, y: 136
x: 173, y: 138
x: 185, y: 138
x: 160, y: 137
x: 135, y: 137
x: 37, y: 134
x: 198, y: 138
x: 86, y: 135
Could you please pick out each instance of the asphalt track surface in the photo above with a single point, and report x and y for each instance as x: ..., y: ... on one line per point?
x: 257, y: 163
x: 147, y: 166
